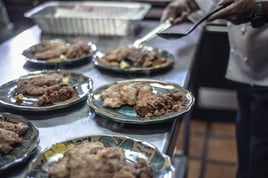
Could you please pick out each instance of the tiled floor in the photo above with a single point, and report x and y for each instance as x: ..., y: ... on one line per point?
x: 212, y: 149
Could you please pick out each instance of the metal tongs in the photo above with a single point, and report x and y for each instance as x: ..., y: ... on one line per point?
x: 180, y: 35
x: 160, y: 28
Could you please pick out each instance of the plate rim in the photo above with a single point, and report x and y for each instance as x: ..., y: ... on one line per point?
x: 117, y: 69
x: 124, y: 137
x: 32, y: 148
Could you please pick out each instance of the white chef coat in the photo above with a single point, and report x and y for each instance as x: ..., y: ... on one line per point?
x: 248, y: 58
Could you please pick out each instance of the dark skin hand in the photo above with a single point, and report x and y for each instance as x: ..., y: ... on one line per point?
x: 236, y: 11
x: 178, y: 11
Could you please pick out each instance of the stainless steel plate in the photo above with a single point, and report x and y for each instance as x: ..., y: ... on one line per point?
x: 21, y: 151
x: 31, y: 58
x: 163, y: 53
x: 82, y: 84
x: 133, y: 148
x: 127, y: 114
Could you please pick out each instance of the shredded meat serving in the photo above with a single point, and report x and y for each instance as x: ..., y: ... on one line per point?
x: 56, y: 93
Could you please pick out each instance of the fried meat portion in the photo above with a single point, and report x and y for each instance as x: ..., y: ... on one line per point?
x: 92, y: 160
x: 18, y: 128
x: 77, y: 50
x: 5, y: 148
x: 111, y: 96
x: 139, y: 170
x: 114, y: 57
x: 10, y: 135
x: 56, y: 93
x: 128, y: 94
x: 54, y: 49
x: 59, y: 169
x: 121, y: 94
x: 74, y: 158
x: 144, y: 90
x: 47, y: 50
x: 37, y: 85
x: 46, y: 45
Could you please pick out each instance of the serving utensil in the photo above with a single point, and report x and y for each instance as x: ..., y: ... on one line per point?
x: 158, y: 29
x: 180, y: 35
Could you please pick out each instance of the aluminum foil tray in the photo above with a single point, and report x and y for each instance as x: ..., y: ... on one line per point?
x: 88, y: 17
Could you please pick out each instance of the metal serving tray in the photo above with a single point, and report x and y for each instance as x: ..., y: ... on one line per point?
x: 89, y: 18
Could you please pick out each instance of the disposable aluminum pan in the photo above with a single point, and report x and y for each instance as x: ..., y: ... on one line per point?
x: 88, y: 17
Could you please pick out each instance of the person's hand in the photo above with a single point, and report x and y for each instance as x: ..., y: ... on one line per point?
x: 236, y: 11
x: 178, y: 11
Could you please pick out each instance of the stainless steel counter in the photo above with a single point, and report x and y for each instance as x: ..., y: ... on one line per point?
x: 79, y: 120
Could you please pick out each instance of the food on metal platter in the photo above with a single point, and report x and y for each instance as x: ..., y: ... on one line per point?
x: 92, y: 159
x: 11, y: 135
x: 121, y: 94
x: 141, y: 96
x: 37, y: 85
x: 60, y: 50
x: 127, y: 57
x: 50, y: 88
x: 57, y: 93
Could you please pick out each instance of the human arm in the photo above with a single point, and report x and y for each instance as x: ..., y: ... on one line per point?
x: 178, y: 10
x: 239, y: 11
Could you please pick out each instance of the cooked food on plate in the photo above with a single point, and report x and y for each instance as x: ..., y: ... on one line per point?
x: 57, y: 93
x: 121, y: 94
x: 18, y: 139
x: 18, y: 128
x: 50, y: 88
x: 131, y: 57
x: 59, y: 50
x: 101, y: 156
x: 37, y: 85
x: 141, y: 96
x: 92, y: 159
x: 158, y: 104
x: 45, y: 90
x: 11, y: 135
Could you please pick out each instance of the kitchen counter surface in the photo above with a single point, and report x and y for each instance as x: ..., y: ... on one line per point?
x: 79, y: 120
